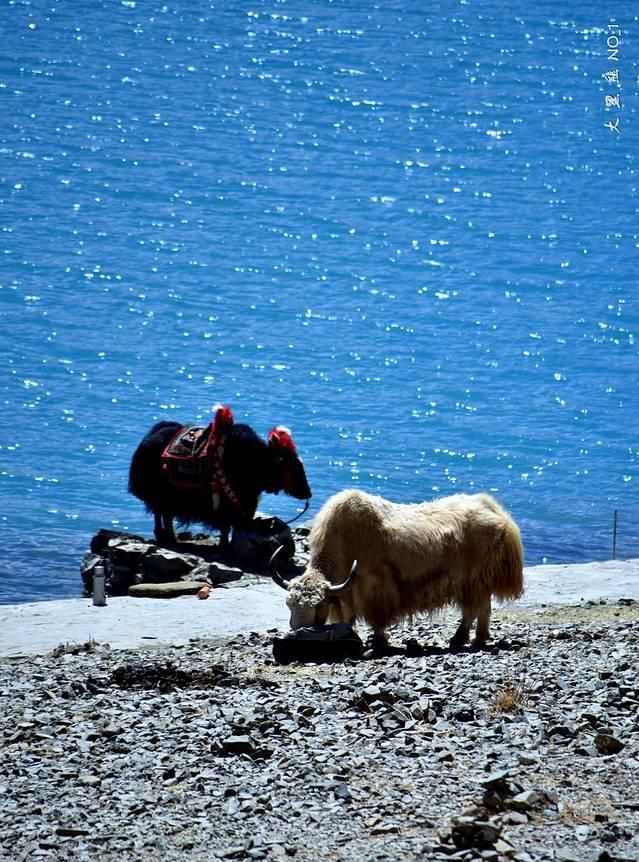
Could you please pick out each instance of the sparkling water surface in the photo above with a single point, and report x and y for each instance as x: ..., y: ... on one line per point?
x: 408, y: 235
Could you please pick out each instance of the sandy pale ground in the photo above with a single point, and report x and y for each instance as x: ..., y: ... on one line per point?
x: 38, y: 627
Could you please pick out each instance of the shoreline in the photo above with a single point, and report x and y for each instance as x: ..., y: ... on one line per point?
x: 256, y: 604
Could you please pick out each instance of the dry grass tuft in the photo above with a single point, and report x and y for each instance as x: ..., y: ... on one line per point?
x: 511, y: 698
x: 587, y: 810
x: 76, y: 649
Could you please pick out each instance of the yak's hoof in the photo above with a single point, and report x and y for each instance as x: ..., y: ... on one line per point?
x: 378, y: 647
x: 479, y: 643
x: 458, y: 642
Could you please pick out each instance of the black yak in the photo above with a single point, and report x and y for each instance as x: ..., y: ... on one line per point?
x: 212, y: 475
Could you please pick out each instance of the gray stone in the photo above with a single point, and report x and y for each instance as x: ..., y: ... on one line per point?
x: 498, y: 781
x: 239, y: 744
x: 110, y: 730
x: 219, y: 573
x: 385, y: 829
x: 527, y: 759
x: 567, y: 854
x: 515, y: 818
x: 606, y: 743
x: 469, y: 832
x: 342, y: 791
x: 201, y: 574
x: 128, y: 552
x: 104, y: 540
x: 563, y: 730
x: 527, y: 800
x: 371, y: 693
x: 163, y: 565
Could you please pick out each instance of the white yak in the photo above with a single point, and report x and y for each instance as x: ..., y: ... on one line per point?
x: 381, y: 562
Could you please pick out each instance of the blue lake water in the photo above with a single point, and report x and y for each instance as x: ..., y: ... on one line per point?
x: 411, y: 236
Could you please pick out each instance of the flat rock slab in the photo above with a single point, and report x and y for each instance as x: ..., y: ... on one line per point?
x: 170, y: 590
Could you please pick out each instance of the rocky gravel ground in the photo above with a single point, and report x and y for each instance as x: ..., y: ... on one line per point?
x: 527, y: 750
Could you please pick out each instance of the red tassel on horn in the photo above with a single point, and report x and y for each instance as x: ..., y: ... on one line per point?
x: 223, y: 416
x: 281, y: 437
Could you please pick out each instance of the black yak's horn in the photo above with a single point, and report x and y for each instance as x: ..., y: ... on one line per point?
x: 279, y: 580
x: 339, y: 588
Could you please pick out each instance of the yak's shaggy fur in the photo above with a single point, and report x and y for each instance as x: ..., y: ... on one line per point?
x: 411, y: 558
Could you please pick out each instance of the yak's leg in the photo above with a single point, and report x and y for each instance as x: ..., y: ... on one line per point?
x: 482, y: 633
x: 158, y: 528
x: 225, y: 543
x: 462, y: 635
x: 169, y: 534
x: 379, y: 642
x: 163, y: 529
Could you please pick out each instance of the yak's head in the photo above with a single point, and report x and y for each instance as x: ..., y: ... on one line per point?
x: 288, y: 473
x: 310, y: 595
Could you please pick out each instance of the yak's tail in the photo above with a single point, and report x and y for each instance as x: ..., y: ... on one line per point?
x: 508, y: 567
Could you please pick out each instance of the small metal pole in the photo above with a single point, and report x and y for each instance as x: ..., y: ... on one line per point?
x: 614, y: 535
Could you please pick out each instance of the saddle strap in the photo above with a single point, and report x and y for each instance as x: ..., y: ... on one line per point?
x: 219, y: 480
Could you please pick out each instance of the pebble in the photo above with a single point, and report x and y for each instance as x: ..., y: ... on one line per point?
x: 606, y: 743
x: 212, y: 751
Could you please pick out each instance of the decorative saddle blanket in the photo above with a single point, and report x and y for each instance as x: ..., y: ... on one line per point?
x: 187, y: 459
x: 195, y: 458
